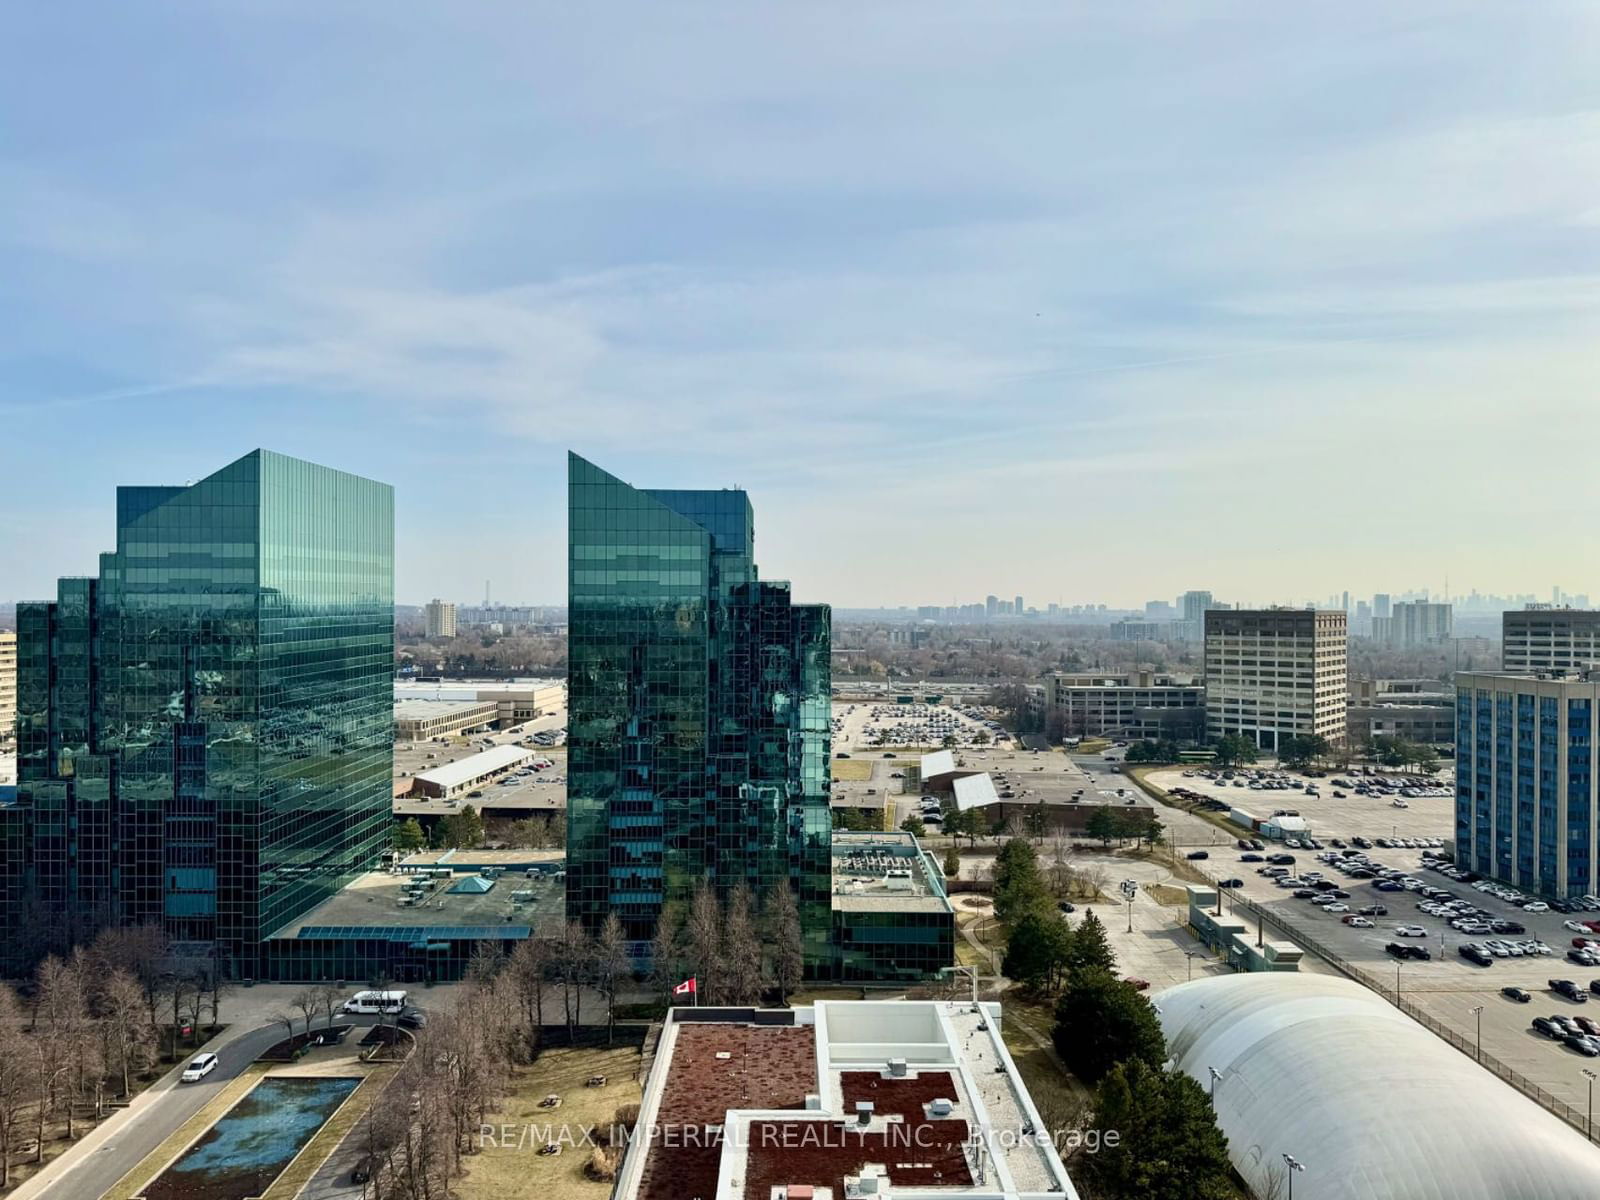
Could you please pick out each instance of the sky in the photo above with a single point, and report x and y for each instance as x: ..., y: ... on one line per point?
x: 1078, y: 301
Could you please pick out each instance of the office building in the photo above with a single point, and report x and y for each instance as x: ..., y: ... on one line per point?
x: 8, y: 689
x: 1192, y: 606
x: 844, y: 1100
x: 1525, y: 779
x: 991, y: 606
x: 1418, y: 710
x: 1380, y: 605
x: 1540, y: 639
x: 205, y: 731
x: 1273, y: 673
x: 1415, y: 623
x: 1135, y: 705
x: 698, y: 712
x: 1135, y: 630
x: 1016, y: 606
x: 440, y: 618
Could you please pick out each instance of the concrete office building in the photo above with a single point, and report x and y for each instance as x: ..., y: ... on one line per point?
x: 420, y: 720
x: 8, y: 690
x: 205, y: 731
x: 440, y: 618
x: 1139, y: 704
x: 1540, y: 638
x: 514, y: 700
x: 698, y: 702
x: 1525, y: 780
x: 1418, y: 710
x: 1276, y: 672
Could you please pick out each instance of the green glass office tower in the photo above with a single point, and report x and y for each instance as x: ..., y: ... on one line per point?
x: 205, y: 729
x: 698, y: 711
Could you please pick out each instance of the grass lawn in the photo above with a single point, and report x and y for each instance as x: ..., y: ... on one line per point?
x: 1092, y: 746
x: 852, y: 770
x: 517, y: 1169
x: 1166, y: 894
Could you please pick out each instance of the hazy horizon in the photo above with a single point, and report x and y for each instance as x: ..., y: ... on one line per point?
x: 1094, y: 306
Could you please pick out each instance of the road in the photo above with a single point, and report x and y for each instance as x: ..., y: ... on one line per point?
x: 123, y: 1140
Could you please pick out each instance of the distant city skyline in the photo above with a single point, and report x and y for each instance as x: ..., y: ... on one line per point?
x: 984, y: 303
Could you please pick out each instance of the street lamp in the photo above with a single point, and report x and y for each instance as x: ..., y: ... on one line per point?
x: 1215, y: 1075
x: 1589, y: 1122
x: 1294, y: 1165
x: 1189, y: 954
x: 1478, y: 1013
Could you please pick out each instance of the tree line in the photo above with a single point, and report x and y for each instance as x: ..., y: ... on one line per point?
x: 87, y: 1028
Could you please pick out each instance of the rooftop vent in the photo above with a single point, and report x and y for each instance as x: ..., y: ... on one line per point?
x: 863, y: 1112
x: 940, y: 1107
x: 897, y: 1067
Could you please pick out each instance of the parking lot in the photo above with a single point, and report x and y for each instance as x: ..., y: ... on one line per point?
x: 519, y: 793
x: 1329, y: 814
x: 861, y: 725
x: 1446, y: 986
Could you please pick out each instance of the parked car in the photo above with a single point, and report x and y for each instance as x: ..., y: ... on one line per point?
x: 199, y: 1068
x: 1196, y: 854
x: 1516, y: 993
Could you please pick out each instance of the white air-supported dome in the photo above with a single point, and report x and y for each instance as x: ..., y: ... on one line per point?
x: 1375, y: 1106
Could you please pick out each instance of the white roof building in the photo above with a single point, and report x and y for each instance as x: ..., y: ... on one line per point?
x: 975, y: 791
x: 1374, y: 1106
x: 472, y: 770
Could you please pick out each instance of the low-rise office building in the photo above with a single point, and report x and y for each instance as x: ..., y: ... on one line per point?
x: 1526, y: 799
x: 891, y: 918
x: 472, y: 772
x: 1138, y: 704
x: 1418, y: 710
x: 515, y: 700
x: 1542, y: 638
x: 1274, y: 673
x: 421, y: 720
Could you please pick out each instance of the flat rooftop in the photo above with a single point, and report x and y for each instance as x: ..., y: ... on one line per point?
x: 475, y: 766
x: 373, y: 901
x: 884, y: 872
x: 744, y: 1105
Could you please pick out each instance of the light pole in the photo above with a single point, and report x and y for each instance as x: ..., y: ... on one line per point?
x: 1215, y: 1075
x: 1189, y: 954
x: 1295, y: 1166
x: 1589, y: 1121
x: 1397, y: 983
x: 1478, y: 1013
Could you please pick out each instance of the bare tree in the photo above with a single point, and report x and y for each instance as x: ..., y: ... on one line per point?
x: 703, y: 935
x: 328, y: 997
x: 528, y: 967
x: 610, y: 968
x: 785, y: 938
x: 121, y: 1006
x: 216, y: 989
x: 17, y: 1078
x: 576, y: 959
x: 306, y: 1001
x: 665, y: 950
x: 741, y: 949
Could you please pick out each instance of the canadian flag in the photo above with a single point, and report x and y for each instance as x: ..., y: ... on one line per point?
x: 686, y: 988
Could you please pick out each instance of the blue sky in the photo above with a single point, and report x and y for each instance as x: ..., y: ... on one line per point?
x: 1041, y: 298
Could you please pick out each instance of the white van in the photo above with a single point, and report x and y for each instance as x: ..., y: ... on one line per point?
x: 375, y: 1002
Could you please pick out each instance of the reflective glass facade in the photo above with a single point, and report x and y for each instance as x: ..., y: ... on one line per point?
x: 205, y: 729
x: 698, y: 703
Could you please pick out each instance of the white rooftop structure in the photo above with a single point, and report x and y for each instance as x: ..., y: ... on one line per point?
x: 1375, y: 1106
x: 975, y: 791
x: 948, y: 1118
x: 941, y: 762
x: 475, y: 768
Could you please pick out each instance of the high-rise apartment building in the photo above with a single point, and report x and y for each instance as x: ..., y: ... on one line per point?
x: 1380, y: 605
x: 440, y: 618
x: 1017, y: 608
x: 1540, y: 639
x: 1418, y: 623
x: 1526, y: 779
x: 205, y: 726
x: 991, y: 606
x: 1276, y: 672
x: 698, y: 711
x: 8, y: 688
x: 1192, y: 606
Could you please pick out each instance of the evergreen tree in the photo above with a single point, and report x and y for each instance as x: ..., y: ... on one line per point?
x: 1018, y: 885
x: 1089, y: 948
x: 408, y: 836
x: 1101, y: 1021
x: 1036, y: 951
x: 1102, y: 824
x: 1169, y: 1146
x: 952, y: 863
